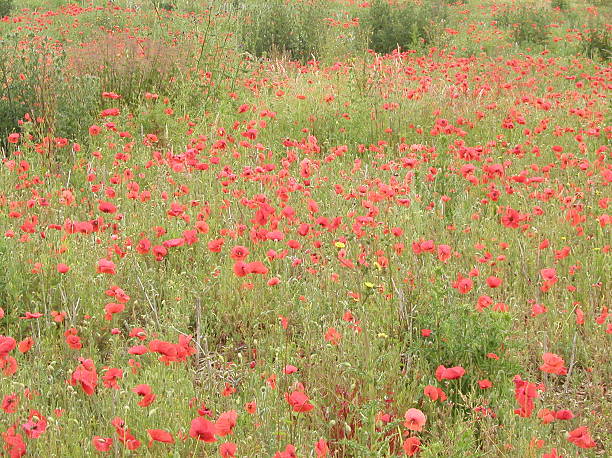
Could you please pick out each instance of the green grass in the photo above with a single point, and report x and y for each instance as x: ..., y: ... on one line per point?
x: 253, y: 124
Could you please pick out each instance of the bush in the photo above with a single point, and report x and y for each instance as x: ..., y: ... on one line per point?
x: 527, y: 25
x: 276, y: 27
x: 17, y: 98
x: 6, y: 6
x: 408, y: 26
x: 596, y: 41
x: 560, y: 4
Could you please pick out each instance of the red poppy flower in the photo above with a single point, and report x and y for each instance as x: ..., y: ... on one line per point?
x: 450, y: 373
x: 138, y: 350
x: 203, y: 429
x: 145, y: 392
x: 553, y: 364
x: 434, y: 393
x: 239, y: 253
x: 85, y: 375
x: 25, y: 345
x: 10, y: 403
x: 106, y: 266
x: 62, y: 268
x: 107, y: 207
x: 564, y: 414
x: 226, y: 422
x: 299, y: 402
x: 256, y: 267
x: 321, y: 448
x: 581, y: 437
x: 333, y: 336
x: 7, y: 344
x: 111, y: 376
x: 36, y: 425
x: 102, y: 444
x: 289, y: 452
x: 227, y: 450
x: 411, y: 446
x: 250, y: 407
x: 159, y: 435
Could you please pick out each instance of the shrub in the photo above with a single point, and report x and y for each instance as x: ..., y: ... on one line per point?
x: 17, y: 97
x: 276, y: 27
x: 407, y: 25
x: 560, y: 4
x: 6, y: 6
x: 527, y: 25
x: 597, y: 42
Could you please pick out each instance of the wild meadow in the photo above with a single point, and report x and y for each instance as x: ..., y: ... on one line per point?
x: 305, y: 228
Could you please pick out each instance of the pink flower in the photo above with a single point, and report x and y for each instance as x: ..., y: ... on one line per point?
x: 415, y: 420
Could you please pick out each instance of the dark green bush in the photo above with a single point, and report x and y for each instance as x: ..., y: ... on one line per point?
x: 527, y: 25
x: 276, y: 27
x: 407, y: 26
x: 597, y: 41
x: 16, y: 99
x: 6, y: 6
x: 561, y: 4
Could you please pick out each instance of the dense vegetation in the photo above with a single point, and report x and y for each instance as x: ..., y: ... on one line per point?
x: 305, y: 228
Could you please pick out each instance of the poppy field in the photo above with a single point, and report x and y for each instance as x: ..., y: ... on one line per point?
x: 305, y: 228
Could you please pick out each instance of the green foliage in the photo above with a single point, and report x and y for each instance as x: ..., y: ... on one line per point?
x: 6, y: 6
x: 18, y: 97
x: 597, y: 41
x: 463, y: 337
x: 408, y: 26
x: 527, y: 25
x: 43, y: 90
x: 275, y: 27
x: 359, y: 112
x: 77, y: 107
x: 456, y: 441
x: 164, y: 5
x: 560, y: 4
